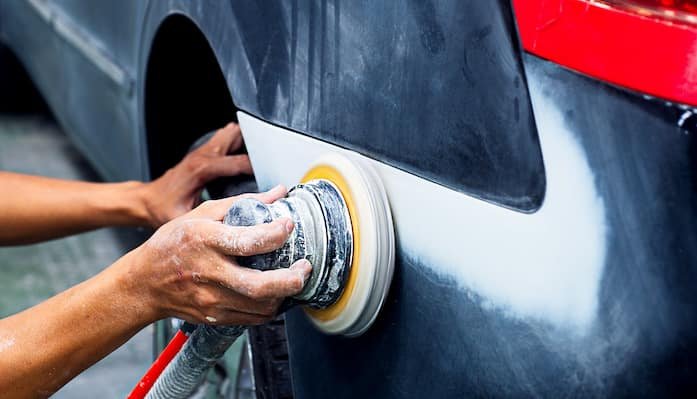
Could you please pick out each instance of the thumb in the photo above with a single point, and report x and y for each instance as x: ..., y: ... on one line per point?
x: 216, y: 209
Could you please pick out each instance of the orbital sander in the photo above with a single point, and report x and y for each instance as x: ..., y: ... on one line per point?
x: 343, y: 227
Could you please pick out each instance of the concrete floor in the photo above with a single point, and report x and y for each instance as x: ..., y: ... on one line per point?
x: 30, y: 274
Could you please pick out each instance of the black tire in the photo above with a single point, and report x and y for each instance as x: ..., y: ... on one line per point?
x: 270, y: 360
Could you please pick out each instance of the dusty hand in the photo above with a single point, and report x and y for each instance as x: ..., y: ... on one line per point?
x: 179, y: 189
x: 189, y: 270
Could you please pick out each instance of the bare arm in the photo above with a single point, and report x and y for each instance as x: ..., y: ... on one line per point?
x: 45, y: 346
x: 187, y: 269
x: 34, y: 208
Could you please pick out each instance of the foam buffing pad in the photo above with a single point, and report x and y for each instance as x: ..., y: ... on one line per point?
x: 372, y: 263
x: 343, y: 226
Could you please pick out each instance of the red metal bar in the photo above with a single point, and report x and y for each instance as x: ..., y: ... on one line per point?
x: 148, y: 380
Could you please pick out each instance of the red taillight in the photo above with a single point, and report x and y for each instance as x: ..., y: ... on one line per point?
x: 648, y: 46
x: 681, y: 11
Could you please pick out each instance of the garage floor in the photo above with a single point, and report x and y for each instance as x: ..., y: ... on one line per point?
x: 30, y: 274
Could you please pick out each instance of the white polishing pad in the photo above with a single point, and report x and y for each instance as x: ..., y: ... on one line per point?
x: 374, y: 245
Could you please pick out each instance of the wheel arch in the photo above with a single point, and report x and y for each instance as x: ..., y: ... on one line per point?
x: 184, y: 92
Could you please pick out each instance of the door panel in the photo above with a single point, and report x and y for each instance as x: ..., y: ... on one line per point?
x: 88, y: 51
x: 113, y: 25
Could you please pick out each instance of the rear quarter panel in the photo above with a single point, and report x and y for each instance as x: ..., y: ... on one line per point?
x: 587, y: 295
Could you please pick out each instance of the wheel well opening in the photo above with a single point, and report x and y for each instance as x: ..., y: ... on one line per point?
x: 186, y: 94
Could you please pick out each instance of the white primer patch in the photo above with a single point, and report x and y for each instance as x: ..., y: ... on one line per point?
x: 546, y: 265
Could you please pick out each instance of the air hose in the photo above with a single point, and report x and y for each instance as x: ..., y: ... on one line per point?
x: 322, y: 235
x: 202, y: 350
x: 162, y: 361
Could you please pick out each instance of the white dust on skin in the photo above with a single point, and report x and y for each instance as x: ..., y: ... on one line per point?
x: 546, y: 265
x: 202, y: 255
x: 6, y: 343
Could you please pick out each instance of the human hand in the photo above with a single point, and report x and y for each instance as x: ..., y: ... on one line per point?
x: 179, y: 189
x: 188, y: 269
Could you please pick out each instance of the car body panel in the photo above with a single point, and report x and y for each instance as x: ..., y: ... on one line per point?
x: 342, y: 71
x: 120, y: 40
x: 75, y: 71
x: 589, y: 296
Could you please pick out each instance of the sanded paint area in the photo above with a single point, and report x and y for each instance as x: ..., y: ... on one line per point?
x: 31, y: 274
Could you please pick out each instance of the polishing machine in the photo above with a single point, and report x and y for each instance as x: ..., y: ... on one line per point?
x: 343, y: 227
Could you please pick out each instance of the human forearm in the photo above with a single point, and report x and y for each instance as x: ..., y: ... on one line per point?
x: 187, y: 269
x: 34, y: 208
x: 45, y: 346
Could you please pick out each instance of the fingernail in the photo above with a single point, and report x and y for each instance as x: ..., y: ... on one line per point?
x: 289, y: 226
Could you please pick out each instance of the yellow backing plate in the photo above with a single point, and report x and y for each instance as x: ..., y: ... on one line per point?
x: 333, y: 175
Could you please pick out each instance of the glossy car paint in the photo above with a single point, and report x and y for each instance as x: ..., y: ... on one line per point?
x: 587, y: 294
